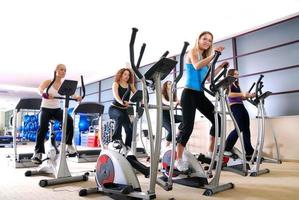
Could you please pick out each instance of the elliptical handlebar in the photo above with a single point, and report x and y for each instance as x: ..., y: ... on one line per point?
x: 258, y: 91
x: 251, y: 87
x: 83, y: 87
x: 52, y: 82
x: 223, y: 73
x: 259, y: 85
x: 215, y: 59
x: 132, y: 58
x: 211, y: 73
x: 183, y: 52
x: 165, y: 54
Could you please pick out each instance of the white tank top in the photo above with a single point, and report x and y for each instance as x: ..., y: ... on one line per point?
x: 51, y: 103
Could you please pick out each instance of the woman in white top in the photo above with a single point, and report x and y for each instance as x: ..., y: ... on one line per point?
x: 50, y: 109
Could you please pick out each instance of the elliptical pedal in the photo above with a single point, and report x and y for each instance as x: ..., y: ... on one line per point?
x: 117, y: 188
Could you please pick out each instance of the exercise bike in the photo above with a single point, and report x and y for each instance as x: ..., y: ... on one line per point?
x: 56, y: 159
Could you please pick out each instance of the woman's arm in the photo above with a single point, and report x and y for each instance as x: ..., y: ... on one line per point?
x: 199, y: 63
x: 77, y: 97
x: 133, y: 88
x: 115, y: 93
x: 204, y: 62
x: 242, y: 95
x: 164, y: 101
x: 43, y: 86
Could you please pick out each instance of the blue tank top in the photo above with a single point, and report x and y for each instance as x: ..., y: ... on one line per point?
x: 195, y: 77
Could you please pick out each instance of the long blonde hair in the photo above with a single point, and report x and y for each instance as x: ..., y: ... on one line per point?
x: 207, y: 52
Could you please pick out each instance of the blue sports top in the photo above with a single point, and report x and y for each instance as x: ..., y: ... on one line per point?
x: 195, y: 77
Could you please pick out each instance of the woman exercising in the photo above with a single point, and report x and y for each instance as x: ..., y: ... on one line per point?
x: 166, y: 115
x: 236, y: 97
x: 193, y: 96
x: 50, y: 110
x: 122, y: 87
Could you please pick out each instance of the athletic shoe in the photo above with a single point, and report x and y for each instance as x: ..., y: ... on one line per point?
x: 227, y: 153
x: 181, y: 165
x: 70, y: 149
x: 37, y: 158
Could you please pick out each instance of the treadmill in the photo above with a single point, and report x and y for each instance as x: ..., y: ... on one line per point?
x: 23, y: 160
x: 89, y: 109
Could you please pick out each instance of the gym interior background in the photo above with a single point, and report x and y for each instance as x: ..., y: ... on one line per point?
x: 275, y: 55
x: 270, y: 49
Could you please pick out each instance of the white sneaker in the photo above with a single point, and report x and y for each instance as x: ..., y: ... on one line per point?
x: 37, y: 158
x: 70, y: 149
x: 181, y: 165
x: 227, y: 153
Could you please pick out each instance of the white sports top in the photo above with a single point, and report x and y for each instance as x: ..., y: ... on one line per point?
x: 51, y: 103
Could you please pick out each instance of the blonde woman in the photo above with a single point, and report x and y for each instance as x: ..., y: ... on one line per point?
x: 50, y: 109
x: 193, y: 97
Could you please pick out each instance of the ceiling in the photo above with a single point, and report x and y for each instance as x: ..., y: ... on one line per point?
x: 91, y: 37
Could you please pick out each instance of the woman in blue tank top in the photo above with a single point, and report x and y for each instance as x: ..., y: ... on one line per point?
x: 193, y: 97
x: 122, y: 87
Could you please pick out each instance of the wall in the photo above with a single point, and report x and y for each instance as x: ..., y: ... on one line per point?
x: 286, y: 129
x: 2, y: 121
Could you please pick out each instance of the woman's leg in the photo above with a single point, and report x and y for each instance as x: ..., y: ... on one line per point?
x: 233, y: 136
x: 167, y: 125
x: 207, y: 109
x: 246, y: 133
x: 128, y: 129
x: 118, y: 116
x: 44, y: 118
x: 188, y: 110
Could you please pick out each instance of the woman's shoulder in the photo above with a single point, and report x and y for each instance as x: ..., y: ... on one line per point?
x: 115, y: 84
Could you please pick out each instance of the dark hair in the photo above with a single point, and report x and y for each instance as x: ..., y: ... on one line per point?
x: 231, y: 72
x: 165, y: 93
x: 120, y: 73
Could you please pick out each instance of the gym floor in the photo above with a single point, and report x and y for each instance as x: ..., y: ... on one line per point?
x: 281, y: 183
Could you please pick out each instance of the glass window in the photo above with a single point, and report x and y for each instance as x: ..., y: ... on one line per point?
x: 92, y: 88
x: 274, y: 35
x: 278, y: 81
x: 106, y: 95
x: 268, y: 60
x: 228, y: 51
x: 91, y: 98
x: 278, y: 105
x: 107, y: 83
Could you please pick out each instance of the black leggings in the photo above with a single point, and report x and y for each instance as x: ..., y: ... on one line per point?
x: 121, y: 118
x: 46, y: 115
x: 241, y: 115
x: 190, y: 101
x: 167, y: 123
